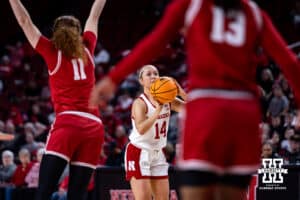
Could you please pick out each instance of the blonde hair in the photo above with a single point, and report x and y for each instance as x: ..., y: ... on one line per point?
x: 67, y: 37
x: 140, y: 73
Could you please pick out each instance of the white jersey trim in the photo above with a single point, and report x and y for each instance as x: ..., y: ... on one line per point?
x: 257, y: 15
x: 219, y: 93
x: 200, y: 165
x: 83, y: 164
x: 58, y: 64
x: 192, y: 11
x: 54, y: 153
x: 90, y: 56
x: 82, y: 114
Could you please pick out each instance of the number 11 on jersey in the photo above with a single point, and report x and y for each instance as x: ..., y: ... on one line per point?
x: 78, y: 69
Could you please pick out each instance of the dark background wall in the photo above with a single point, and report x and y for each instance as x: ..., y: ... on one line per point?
x: 123, y: 21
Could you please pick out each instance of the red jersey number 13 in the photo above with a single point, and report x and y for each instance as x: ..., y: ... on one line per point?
x: 234, y: 34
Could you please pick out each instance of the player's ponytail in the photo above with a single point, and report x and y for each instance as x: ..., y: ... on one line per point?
x: 228, y: 5
x: 67, y: 37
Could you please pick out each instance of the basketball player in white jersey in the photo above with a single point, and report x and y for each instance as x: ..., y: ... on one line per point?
x: 145, y: 163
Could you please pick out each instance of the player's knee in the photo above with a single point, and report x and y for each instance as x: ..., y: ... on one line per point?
x: 143, y: 195
x: 161, y: 196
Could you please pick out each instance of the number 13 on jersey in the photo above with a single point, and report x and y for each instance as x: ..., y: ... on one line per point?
x: 234, y: 35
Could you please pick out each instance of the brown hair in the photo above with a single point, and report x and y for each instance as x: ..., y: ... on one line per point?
x: 67, y: 37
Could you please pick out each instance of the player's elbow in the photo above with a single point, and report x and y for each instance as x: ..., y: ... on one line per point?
x: 24, y: 21
x: 141, y: 130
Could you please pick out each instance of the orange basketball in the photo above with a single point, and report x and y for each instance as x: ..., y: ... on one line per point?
x: 164, y: 90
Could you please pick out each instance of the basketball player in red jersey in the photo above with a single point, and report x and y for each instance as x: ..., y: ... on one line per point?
x: 221, y: 144
x: 77, y: 133
x: 145, y: 163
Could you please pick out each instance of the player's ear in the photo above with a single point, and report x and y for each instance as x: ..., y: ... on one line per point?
x: 141, y: 80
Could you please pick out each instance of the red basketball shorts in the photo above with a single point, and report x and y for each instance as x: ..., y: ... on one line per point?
x: 221, y: 136
x: 76, y: 137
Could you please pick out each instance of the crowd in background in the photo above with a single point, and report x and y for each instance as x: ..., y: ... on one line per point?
x: 26, y: 110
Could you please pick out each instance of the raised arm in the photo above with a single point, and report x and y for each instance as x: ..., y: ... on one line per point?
x: 31, y: 32
x: 142, y: 122
x: 146, y: 50
x: 93, y: 19
x: 276, y: 47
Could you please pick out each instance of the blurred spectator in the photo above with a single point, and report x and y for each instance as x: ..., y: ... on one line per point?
x: 1, y: 86
x: 102, y: 57
x: 33, y: 91
x: 45, y: 94
x: 131, y: 84
x: 121, y: 137
x: 266, y: 81
x: 267, y: 151
x: 2, y: 126
x: 16, y: 116
x: 32, y: 178
x: 279, y: 104
x: 287, y: 90
x: 276, y: 125
x: 289, y: 120
x: 37, y: 114
x: 285, y: 144
x: 8, y: 167
x: 265, y: 131
x: 292, y: 154
x: 275, y: 141
x: 123, y: 108
x: 31, y: 144
x: 23, y: 168
x: 116, y: 155
x: 36, y: 128
x: 116, y: 147
x: 124, y: 102
x: 296, y: 15
x: 110, y: 119
x: 16, y: 54
x: 102, y: 158
x: 5, y: 66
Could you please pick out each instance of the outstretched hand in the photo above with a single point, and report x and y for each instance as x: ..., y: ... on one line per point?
x: 6, y: 136
x: 102, y: 92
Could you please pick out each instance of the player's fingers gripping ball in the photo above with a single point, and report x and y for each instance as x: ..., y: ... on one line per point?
x: 164, y: 90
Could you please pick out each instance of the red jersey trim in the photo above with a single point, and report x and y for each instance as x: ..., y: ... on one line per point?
x: 148, y: 99
x: 257, y: 15
x: 198, y: 164
x: 192, y: 11
x: 58, y: 63
x: 82, y: 114
x: 90, y: 56
x: 55, y: 153
x: 83, y: 164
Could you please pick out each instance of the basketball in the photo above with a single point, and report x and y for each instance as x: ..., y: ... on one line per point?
x: 164, y: 90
